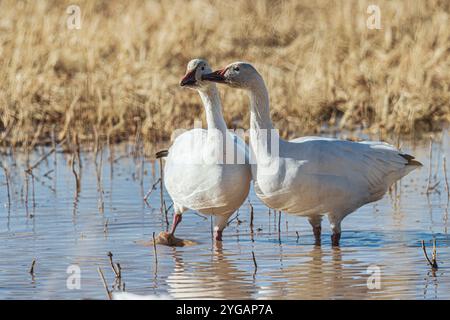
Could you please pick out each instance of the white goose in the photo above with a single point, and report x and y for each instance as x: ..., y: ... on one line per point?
x: 312, y: 176
x: 201, y: 171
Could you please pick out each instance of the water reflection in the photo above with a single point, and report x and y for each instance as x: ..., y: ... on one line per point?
x: 216, y: 276
x: 322, y: 274
x: 48, y: 220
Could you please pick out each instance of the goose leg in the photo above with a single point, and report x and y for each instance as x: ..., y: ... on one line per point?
x: 335, y: 224
x: 335, y: 238
x: 176, y: 220
x: 218, y: 236
x: 220, y: 222
x: 316, y: 222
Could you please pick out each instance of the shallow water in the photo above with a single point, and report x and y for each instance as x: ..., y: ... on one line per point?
x: 63, y: 231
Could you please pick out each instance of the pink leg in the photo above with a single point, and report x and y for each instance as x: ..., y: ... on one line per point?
x: 176, y: 220
x: 317, y: 230
x: 335, y: 224
x: 315, y: 222
x: 219, y: 235
x: 335, y: 237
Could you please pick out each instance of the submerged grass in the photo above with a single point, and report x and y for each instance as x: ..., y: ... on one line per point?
x: 118, y: 75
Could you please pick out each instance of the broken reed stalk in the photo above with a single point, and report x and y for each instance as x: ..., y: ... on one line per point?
x: 447, y: 188
x: 119, y: 270
x: 32, y: 266
x: 154, y: 252
x: 98, y: 172
x: 254, y: 262
x: 113, y: 266
x: 37, y: 163
x: 159, y: 155
x: 105, y: 284
x: 111, y: 155
x: 142, y: 172
x: 55, y: 157
x: 53, y: 137
x: 5, y: 170
x: 279, y: 222
x: 433, y: 261
x: 29, y: 170
x: 26, y: 190
x: 32, y: 191
x: 105, y: 227
x: 211, y: 229
x: 151, y: 189
x: 430, y: 167
x: 167, y: 209
x: 230, y: 221
x: 251, y: 216
x: 75, y: 174
x: 161, y: 185
x: 137, y: 137
x: 78, y: 151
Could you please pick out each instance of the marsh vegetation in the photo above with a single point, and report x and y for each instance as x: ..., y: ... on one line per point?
x: 118, y: 75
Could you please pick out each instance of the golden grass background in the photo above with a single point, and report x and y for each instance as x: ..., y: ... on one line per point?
x: 119, y: 74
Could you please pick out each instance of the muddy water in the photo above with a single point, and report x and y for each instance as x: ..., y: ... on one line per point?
x: 67, y: 233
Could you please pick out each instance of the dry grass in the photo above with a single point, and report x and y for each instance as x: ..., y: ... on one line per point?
x: 119, y: 74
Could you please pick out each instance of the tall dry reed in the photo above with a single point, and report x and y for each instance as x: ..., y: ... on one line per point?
x: 119, y: 73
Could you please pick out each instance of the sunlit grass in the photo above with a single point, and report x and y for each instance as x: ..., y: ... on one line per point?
x: 119, y: 74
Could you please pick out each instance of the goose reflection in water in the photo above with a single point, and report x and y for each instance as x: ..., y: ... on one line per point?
x: 215, y: 278
x: 323, y: 275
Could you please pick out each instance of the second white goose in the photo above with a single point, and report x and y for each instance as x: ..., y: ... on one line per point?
x: 312, y: 176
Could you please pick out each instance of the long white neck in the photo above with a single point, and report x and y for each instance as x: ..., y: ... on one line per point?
x: 263, y: 137
x: 213, y: 108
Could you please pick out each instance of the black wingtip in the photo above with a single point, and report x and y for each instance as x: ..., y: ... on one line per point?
x: 411, y: 161
x: 162, y: 154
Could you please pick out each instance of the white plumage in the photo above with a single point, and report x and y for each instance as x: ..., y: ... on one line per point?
x: 207, y: 170
x: 312, y: 176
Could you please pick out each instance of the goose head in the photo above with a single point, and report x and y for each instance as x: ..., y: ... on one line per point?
x: 193, y: 77
x: 237, y: 75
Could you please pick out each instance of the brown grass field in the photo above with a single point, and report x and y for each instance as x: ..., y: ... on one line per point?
x: 118, y: 75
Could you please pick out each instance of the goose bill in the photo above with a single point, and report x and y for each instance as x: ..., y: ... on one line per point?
x: 216, y: 76
x: 188, y: 79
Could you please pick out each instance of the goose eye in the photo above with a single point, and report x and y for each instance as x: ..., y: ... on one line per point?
x: 236, y: 68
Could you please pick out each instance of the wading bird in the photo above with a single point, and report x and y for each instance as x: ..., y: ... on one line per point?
x: 207, y: 170
x: 312, y: 176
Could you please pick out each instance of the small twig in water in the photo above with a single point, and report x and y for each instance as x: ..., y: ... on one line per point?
x: 447, y: 188
x: 46, y: 175
x: 251, y: 215
x: 105, y: 227
x: 431, y: 165
x: 234, y: 218
x: 279, y: 226
x: 113, y: 267
x: 32, y: 266
x: 77, y: 179
x: 151, y: 189
x: 254, y: 262
x: 161, y: 185
x: 166, y: 211
x: 7, y: 183
x: 212, y: 229
x: 119, y: 270
x: 155, y: 253
x: 433, y: 262
x: 298, y: 236
x: 105, y: 285
x: 30, y: 169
